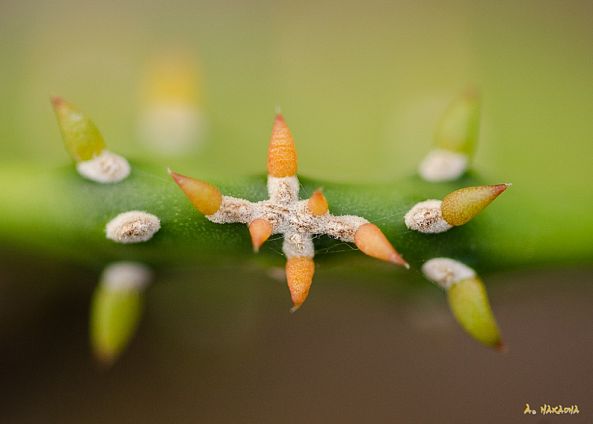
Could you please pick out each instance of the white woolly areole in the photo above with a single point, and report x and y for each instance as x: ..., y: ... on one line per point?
x: 289, y: 216
x: 443, y: 165
x: 106, y: 167
x: 171, y: 128
x: 446, y: 271
x: 126, y: 276
x: 297, y: 244
x: 426, y: 217
x: 292, y: 218
x: 283, y: 189
x: 132, y: 227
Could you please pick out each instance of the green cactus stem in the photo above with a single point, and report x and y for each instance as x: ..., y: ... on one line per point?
x: 58, y: 213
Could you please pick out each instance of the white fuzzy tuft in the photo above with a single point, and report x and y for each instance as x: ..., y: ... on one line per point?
x: 106, y: 167
x: 233, y: 209
x: 132, y: 227
x: 298, y: 244
x: 446, y: 271
x: 172, y: 128
x: 426, y: 217
x: 283, y: 189
x: 443, y: 165
x: 126, y: 276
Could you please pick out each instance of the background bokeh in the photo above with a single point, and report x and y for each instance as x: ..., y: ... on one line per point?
x: 362, y: 85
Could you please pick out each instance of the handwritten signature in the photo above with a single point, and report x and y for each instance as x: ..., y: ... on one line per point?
x: 547, y: 409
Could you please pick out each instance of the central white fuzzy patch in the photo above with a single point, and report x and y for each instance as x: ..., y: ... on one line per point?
x: 289, y: 216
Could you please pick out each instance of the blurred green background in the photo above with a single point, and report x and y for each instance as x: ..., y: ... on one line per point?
x: 361, y: 85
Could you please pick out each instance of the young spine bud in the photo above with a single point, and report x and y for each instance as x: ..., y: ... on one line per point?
x: 86, y: 146
x: 458, y: 128
x: 299, y: 276
x: 469, y: 303
x: 171, y: 121
x: 116, y: 309
x: 204, y: 196
x: 282, y: 157
x: 460, y: 206
x: 317, y: 204
x: 81, y: 137
x: 457, y: 208
x: 455, y: 140
x: 260, y: 230
x: 467, y: 298
x: 371, y: 241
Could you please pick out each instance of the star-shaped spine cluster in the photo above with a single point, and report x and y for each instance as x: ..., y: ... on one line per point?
x: 284, y: 213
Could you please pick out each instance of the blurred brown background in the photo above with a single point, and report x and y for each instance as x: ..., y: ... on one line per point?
x: 351, y: 355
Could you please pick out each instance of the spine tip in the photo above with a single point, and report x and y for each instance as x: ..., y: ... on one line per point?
x: 501, y: 347
x: 502, y: 187
x: 56, y: 101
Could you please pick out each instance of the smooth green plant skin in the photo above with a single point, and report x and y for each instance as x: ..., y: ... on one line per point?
x: 56, y: 212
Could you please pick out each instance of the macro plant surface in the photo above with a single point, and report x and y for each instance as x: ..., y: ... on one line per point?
x: 65, y: 212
